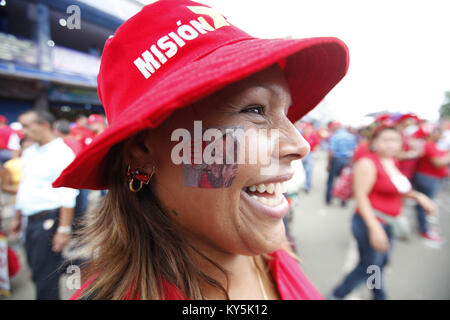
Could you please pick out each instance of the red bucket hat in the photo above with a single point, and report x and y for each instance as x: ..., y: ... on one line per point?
x: 174, y: 52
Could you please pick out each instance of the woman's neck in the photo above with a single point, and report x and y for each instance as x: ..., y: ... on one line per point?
x: 242, y: 280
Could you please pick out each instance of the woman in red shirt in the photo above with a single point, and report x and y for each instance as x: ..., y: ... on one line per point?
x: 431, y: 169
x: 175, y: 65
x: 313, y: 138
x: 378, y: 187
x: 411, y: 150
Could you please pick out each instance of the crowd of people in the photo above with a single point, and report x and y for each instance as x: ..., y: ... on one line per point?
x: 397, y: 156
x: 33, y: 155
x: 220, y: 233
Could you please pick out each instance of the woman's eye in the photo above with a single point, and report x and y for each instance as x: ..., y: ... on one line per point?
x: 258, y: 109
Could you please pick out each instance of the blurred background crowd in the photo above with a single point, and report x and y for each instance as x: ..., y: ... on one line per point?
x: 47, y: 67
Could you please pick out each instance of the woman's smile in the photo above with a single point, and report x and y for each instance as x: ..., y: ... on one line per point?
x: 266, y: 205
x: 267, y: 197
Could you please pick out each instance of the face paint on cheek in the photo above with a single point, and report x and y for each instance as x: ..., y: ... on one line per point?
x: 219, y: 166
x: 230, y: 172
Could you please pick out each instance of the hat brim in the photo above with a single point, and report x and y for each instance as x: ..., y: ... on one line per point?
x: 313, y: 67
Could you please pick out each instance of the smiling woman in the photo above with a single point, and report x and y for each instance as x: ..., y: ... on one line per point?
x: 160, y: 233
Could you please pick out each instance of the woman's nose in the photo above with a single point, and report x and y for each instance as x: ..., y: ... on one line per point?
x: 292, y: 144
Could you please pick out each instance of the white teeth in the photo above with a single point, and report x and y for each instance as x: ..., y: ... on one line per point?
x: 272, y: 202
x: 278, y: 188
x: 261, y: 188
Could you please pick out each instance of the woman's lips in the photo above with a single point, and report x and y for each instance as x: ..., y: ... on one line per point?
x: 275, y: 211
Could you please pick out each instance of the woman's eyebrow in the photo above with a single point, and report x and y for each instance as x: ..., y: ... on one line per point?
x: 229, y: 98
x: 274, y: 92
x: 277, y: 93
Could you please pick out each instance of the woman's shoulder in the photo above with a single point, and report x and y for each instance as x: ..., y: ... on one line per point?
x: 367, y: 161
x: 292, y: 283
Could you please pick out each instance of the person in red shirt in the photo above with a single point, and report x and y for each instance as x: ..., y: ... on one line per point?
x: 378, y: 188
x: 81, y: 132
x: 9, y: 140
x: 407, y: 124
x: 96, y: 123
x: 313, y: 138
x: 431, y: 169
x: 153, y: 236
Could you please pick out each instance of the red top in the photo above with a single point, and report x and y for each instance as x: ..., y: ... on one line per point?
x: 84, y: 135
x: 361, y: 150
x: 5, y: 134
x: 313, y: 140
x: 424, y: 164
x: 407, y: 166
x: 384, y: 196
x: 291, y: 281
x: 13, y: 261
x: 74, y: 144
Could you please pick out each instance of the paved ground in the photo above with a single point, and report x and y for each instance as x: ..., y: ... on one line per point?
x: 328, y: 251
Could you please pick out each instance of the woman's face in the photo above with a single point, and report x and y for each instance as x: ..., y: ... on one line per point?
x: 388, y: 143
x: 233, y: 219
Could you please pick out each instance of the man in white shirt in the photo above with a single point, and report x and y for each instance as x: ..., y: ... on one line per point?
x: 49, y: 210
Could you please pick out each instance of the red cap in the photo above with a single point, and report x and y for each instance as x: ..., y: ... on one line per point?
x: 96, y: 118
x: 382, y: 117
x: 3, y: 119
x: 334, y: 124
x: 387, y: 123
x: 175, y: 52
x: 409, y: 115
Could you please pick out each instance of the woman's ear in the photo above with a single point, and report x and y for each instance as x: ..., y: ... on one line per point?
x: 138, y: 154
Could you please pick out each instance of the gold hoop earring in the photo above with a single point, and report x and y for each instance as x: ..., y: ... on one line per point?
x: 137, y: 175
